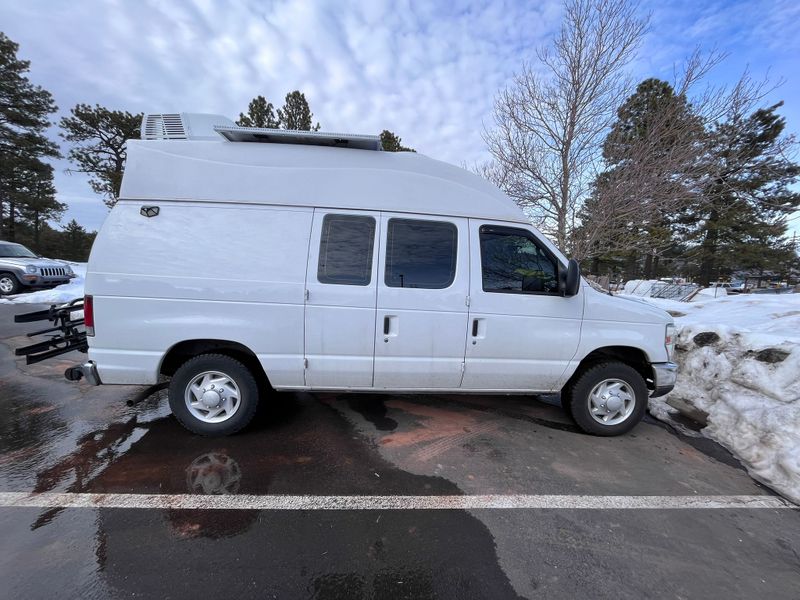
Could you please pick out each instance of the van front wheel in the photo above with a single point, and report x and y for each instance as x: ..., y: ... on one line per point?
x: 607, y: 399
x: 213, y: 395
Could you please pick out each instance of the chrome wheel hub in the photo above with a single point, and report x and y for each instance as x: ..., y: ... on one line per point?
x: 212, y: 397
x: 611, y: 401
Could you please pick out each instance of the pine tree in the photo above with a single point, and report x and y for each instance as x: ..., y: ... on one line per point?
x: 24, y: 117
x: 76, y: 242
x: 99, y: 136
x: 296, y: 113
x: 40, y: 204
x: 392, y: 143
x: 741, y: 221
x: 260, y: 113
x: 652, y: 153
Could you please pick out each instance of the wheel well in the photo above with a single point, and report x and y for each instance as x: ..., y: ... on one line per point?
x: 633, y: 357
x: 183, y: 351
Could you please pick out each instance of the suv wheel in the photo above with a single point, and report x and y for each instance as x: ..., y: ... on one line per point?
x: 607, y: 399
x: 213, y: 395
x: 8, y: 284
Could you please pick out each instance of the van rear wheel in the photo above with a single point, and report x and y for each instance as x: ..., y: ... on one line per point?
x: 607, y: 399
x: 213, y: 395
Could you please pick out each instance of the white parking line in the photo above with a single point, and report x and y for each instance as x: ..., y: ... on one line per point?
x: 278, y: 502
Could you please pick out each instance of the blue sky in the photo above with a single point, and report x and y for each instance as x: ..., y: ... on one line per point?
x: 425, y: 70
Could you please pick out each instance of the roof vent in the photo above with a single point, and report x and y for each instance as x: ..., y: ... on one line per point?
x: 182, y: 126
x: 163, y: 127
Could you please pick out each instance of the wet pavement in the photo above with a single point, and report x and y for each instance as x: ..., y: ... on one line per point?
x: 57, y: 436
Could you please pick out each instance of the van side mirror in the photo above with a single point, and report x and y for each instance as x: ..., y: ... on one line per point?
x: 570, y: 279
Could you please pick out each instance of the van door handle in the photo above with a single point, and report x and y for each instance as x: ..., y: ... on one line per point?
x: 390, y: 327
x: 474, y: 327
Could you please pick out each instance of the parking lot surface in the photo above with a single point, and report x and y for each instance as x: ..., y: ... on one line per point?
x: 367, y: 496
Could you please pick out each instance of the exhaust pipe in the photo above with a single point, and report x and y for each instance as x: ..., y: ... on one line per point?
x: 74, y: 373
x: 88, y: 370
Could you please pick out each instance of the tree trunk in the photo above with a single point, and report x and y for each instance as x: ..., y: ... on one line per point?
x: 631, y: 266
x: 708, y: 250
x: 36, y: 230
x: 648, y: 266
x: 655, y: 267
x: 10, y: 229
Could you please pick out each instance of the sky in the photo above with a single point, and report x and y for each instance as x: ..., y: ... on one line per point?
x: 429, y: 71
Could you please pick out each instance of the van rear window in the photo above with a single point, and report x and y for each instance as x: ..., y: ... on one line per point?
x: 345, y: 250
x: 420, y: 254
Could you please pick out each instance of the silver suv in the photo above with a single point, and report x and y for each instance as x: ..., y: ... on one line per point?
x: 20, y: 269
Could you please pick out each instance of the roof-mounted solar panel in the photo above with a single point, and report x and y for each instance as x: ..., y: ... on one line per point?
x: 199, y: 126
x: 309, y: 138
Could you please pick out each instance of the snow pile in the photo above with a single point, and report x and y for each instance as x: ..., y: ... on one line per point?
x: 739, y: 360
x: 57, y: 295
x: 641, y: 287
x: 710, y: 292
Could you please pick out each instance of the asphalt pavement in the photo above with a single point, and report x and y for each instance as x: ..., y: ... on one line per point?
x: 367, y: 496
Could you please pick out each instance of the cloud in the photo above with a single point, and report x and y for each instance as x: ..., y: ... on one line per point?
x: 426, y: 70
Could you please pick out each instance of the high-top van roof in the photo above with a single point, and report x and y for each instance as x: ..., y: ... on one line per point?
x: 308, y: 175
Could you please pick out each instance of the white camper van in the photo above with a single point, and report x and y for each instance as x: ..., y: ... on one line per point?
x: 241, y: 260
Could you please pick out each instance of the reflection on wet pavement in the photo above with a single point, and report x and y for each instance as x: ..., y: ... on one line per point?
x: 300, y: 445
x: 66, y: 437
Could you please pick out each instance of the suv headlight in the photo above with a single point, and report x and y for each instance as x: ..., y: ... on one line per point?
x: 669, y: 340
x: 30, y: 269
x: 69, y: 270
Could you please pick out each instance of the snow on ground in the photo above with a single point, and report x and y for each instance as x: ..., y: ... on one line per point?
x: 62, y: 293
x: 745, y: 374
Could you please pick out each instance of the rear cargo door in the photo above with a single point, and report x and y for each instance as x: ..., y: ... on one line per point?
x: 341, y: 293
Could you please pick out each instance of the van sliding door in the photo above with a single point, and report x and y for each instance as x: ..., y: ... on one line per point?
x: 341, y: 287
x: 421, y: 321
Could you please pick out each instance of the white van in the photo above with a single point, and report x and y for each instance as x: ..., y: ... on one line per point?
x: 238, y: 257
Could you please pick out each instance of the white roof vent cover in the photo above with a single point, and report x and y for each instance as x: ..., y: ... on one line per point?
x: 183, y: 126
x: 168, y: 126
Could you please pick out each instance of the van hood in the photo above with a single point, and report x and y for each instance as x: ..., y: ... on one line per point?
x: 22, y: 262
x: 623, y: 308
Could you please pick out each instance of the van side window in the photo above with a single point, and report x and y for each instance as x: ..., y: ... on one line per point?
x: 345, y: 250
x: 512, y: 262
x: 420, y: 254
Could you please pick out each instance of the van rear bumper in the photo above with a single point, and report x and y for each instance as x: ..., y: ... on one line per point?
x: 664, y: 376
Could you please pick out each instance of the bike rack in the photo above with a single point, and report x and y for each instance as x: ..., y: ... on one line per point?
x: 65, y: 335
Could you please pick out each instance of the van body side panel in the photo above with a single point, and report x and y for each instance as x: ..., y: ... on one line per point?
x: 613, y: 321
x: 198, y: 271
x: 518, y: 341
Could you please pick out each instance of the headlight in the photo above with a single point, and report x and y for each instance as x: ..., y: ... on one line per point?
x: 69, y: 270
x: 669, y: 340
x: 30, y: 269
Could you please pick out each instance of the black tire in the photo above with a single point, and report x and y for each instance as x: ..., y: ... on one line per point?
x: 575, y: 398
x: 232, y: 368
x: 11, y: 284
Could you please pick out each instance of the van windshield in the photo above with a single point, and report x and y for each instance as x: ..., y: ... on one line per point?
x: 15, y: 251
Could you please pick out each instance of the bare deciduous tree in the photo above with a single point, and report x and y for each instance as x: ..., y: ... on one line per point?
x: 549, y: 123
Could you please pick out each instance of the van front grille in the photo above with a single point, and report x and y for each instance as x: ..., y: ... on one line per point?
x: 53, y: 271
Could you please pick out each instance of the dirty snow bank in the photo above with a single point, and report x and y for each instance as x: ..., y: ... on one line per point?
x: 57, y: 295
x: 739, y: 360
